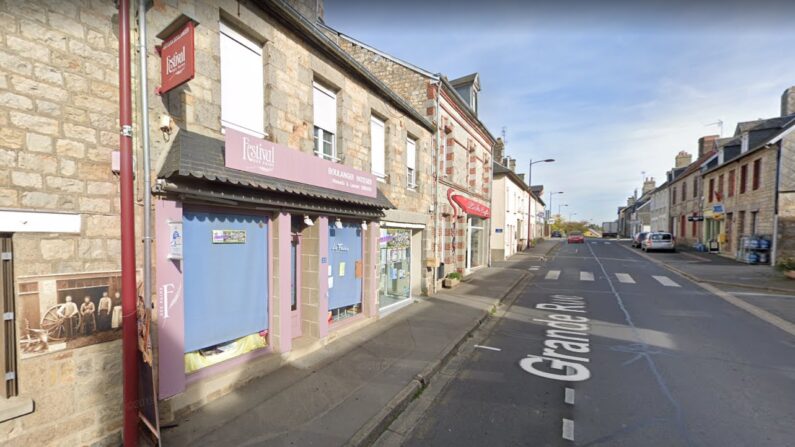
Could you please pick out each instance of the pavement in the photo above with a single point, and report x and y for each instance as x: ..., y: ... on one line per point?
x: 348, y: 392
x: 608, y: 348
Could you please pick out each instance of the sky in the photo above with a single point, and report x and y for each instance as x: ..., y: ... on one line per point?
x: 611, y: 90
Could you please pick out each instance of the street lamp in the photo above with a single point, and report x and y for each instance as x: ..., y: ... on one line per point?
x: 530, y: 195
x: 550, y: 204
x: 570, y: 216
x: 563, y: 204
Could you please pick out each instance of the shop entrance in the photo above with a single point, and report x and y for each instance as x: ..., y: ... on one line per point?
x: 345, y: 271
x: 395, y: 267
x: 475, y: 245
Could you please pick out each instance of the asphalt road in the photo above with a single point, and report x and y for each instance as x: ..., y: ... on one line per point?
x: 653, y: 360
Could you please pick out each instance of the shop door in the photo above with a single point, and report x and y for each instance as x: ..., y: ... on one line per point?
x: 295, y: 283
x: 395, y: 255
x: 345, y: 271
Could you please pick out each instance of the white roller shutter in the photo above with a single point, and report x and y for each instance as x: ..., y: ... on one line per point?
x: 411, y: 154
x: 325, y: 105
x: 377, y: 151
x: 242, y: 91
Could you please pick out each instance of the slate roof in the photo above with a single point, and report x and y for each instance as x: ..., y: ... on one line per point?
x: 197, y: 161
x: 760, y: 133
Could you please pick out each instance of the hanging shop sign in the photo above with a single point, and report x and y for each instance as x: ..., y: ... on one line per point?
x: 251, y: 154
x: 471, y: 207
x: 695, y: 218
x: 177, y: 58
x: 229, y: 236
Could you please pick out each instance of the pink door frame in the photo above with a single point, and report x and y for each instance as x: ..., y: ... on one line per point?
x: 296, y: 314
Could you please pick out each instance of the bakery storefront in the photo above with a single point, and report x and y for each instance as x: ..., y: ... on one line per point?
x: 257, y: 245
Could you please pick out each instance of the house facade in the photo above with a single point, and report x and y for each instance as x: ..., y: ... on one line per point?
x: 510, y: 207
x: 462, y: 169
x: 537, y: 212
x: 686, y: 193
x: 659, y: 208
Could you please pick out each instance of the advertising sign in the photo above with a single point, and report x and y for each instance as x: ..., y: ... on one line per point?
x: 177, y: 61
x: 471, y: 207
x: 251, y: 154
x: 229, y: 236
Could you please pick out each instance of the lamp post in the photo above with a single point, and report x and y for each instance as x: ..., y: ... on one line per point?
x: 562, y: 204
x: 550, y: 205
x: 570, y: 216
x: 530, y: 197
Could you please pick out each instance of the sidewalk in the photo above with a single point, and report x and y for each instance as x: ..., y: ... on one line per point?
x: 719, y: 270
x: 347, y: 392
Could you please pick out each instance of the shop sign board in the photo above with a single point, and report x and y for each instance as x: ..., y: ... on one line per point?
x: 257, y: 156
x: 177, y: 60
x: 229, y: 236
x: 471, y: 207
x: 717, y: 208
x: 695, y: 218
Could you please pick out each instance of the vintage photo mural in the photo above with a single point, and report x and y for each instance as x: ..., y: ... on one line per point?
x: 68, y: 311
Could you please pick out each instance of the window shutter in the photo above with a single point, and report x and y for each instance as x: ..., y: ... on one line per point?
x: 377, y: 151
x: 242, y: 90
x: 411, y: 154
x: 325, y: 108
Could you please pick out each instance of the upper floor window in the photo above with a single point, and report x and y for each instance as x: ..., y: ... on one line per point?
x: 743, y: 178
x: 684, y: 191
x: 720, y: 187
x: 377, y: 147
x: 242, y: 91
x: 744, y: 143
x: 673, y: 196
x: 695, y: 188
x: 711, y: 190
x: 411, y: 163
x: 324, y: 102
x: 732, y: 183
x: 757, y: 174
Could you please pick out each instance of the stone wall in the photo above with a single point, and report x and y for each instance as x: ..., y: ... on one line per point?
x: 58, y: 126
x: 785, y: 243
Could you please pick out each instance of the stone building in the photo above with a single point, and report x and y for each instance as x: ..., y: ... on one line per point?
x: 686, y: 192
x: 299, y: 259
x: 741, y: 186
x: 59, y: 224
x: 462, y: 168
x: 659, y: 204
x: 785, y: 217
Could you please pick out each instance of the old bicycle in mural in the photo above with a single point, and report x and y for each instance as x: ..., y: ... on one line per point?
x: 68, y: 311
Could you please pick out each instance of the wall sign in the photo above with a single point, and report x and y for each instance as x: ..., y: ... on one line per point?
x: 229, y: 236
x: 251, y: 154
x: 177, y: 59
x: 175, y: 240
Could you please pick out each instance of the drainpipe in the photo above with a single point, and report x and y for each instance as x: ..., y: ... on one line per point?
x: 438, y: 253
x: 147, y: 161
x: 128, y: 292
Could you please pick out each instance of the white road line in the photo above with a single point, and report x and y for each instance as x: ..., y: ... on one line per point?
x: 568, y: 429
x: 625, y: 278
x: 666, y: 281
x: 608, y: 243
x: 535, y: 267
x: 553, y: 274
x: 586, y: 276
x: 569, y: 396
x: 488, y: 347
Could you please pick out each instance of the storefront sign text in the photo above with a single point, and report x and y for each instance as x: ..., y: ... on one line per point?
x: 177, y: 61
x: 251, y: 154
x: 471, y: 207
x: 229, y: 236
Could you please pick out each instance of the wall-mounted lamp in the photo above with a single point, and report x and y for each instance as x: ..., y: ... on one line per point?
x: 364, y: 225
x: 307, y: 221
x: 165, y: 126
x: 338, y: 223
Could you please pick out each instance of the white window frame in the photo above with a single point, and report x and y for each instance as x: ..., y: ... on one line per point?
x: 378, y: 147
x: 325, y: 121
x: 242, y: 96
x: 411, y: 163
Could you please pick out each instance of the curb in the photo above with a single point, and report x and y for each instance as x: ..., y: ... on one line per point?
x: 377, y: 425
x: 709, y: 281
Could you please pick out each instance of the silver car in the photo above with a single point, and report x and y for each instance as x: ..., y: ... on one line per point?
x: 659, y: 241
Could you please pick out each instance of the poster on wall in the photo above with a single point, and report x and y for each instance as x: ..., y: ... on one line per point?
x: 59, y: 312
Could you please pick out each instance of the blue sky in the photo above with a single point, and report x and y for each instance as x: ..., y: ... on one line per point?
x: 609, y: 92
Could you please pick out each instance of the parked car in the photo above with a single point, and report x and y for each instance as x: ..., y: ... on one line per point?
x: 659, y: 241
x: 637, y: 241
x: 576, y: 237
x: 556, y: 234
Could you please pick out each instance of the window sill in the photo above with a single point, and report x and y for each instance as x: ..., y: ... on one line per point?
x: 15, y: 407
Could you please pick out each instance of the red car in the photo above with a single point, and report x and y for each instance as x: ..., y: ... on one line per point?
x: 575, y: 237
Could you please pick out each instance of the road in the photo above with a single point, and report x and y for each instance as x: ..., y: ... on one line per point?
x: 648, y: 359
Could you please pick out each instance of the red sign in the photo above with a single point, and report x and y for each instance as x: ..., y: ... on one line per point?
x: 471, y: 207
x: 177, y: 61
x: 251, y: 154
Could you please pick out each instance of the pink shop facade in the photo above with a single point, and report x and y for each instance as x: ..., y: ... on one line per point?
x: 261, y: 250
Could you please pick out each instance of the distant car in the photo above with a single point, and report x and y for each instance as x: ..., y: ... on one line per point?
x: 659, y: 241
x: 556, y: 234
x: 637, y: 241
x: 576, y: 237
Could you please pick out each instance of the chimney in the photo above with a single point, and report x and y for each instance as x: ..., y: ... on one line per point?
x: 521, y: 176
x: 706, y: 144
x: 648, y: 185
x: 512, y: 164
x: 499, y: 150
x: 683, y: 159
x: 788, y: 101
x: 630, y: 200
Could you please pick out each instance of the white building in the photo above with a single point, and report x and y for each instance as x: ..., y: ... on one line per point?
x: 660, y: 208
x: 537, y: 212
x: 509, y: 207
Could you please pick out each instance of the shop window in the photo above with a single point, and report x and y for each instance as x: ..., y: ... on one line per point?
x: 731, y: 183
x: 411, y: 163
x: 226, y: 271
x: 743, y: 178
x: 475, y: 243
x: 242, y: 93
x: 395, y: 266
x: 757, y: 174
x: 325, y: 117
x: 377, y: 147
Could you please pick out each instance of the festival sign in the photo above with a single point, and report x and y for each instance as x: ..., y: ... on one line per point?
x: 177, y: 59
x: 257, y: 156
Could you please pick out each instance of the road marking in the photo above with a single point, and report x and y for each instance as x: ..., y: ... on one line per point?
x: 586, y: 276
x: 569, y: 397
x: 488, y: 347
x: 534, y: 268
x: 568, y: 429
x: 608, y: 243
x: 553, y: 274
x: 666, y: 281
x: 625, y: 278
